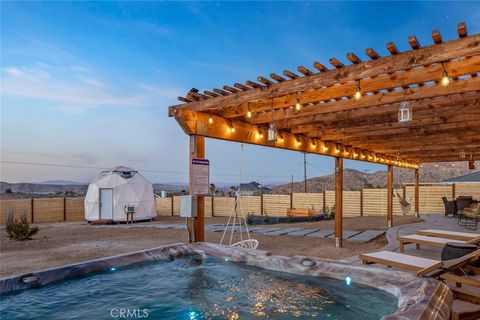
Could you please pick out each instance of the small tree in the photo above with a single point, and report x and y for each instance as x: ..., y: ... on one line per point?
x: 19, y: 230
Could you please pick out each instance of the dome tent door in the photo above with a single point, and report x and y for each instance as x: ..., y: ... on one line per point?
x: 106, y: 204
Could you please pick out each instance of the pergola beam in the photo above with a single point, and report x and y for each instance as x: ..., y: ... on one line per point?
x: 382, y: 98
x: 197, y: 123
x: 464, y: 47
x: 454, y: 68
x: 384, y: 114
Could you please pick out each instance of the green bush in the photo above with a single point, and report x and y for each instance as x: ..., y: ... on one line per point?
x: 19, y: 230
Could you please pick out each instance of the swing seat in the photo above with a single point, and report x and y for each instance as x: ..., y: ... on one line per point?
x: 247, y: 244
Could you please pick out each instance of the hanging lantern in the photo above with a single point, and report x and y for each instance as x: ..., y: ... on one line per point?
x: 404, y: 113
x: 272, y: 133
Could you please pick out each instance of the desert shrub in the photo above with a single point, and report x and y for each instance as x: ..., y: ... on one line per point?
x: 331, y: 212
x: 19, y: 229
x: 250, y: 218
x: 266, y: 218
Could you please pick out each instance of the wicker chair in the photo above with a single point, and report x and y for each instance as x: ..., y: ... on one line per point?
x: 472, y: 216
x: 462, y: 203
x: 449, y: 207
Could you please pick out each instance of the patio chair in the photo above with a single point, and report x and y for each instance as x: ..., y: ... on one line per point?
x: 466, y: 305
x: 465, y: 236
x: 472, y: 216
x: 418, y: 240
x: 449, y: 207
x: 421, y: 266
x: 462, y: 202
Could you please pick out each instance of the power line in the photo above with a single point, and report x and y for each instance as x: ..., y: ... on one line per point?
x: 105, y: 168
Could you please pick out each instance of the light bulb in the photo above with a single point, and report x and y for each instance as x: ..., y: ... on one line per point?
x: 313, y: 146
x: 445, y: 79
x: 358, y: 94
x: 232, y: 129
x: 298, y: 106
x: 210, y: 119
x: 249, y: 114
x: 325, y: 149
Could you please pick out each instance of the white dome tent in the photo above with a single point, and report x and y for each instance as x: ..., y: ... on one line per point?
x: 113, y: 190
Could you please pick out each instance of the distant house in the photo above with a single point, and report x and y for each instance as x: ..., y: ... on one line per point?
x: 473, y: 177
x: 253, y: 188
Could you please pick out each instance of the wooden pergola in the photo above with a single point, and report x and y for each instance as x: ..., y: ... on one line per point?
x: 350, y: 111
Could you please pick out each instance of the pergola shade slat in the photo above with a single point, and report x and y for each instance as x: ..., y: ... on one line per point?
x: 444, y: 116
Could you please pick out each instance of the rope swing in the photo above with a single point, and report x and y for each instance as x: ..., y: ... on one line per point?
x: 236, y: 220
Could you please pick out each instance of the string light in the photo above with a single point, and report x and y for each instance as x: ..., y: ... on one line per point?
x: 298, y: 106
x: 299, y: 143
x: 445, y: 80
x: 324, y: 148
x: 210, y: 119
x: 249, y: 114
x: 313, y: 146
x: 358, y: 93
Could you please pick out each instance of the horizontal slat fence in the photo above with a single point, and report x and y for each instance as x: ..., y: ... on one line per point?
x: 17, y: 208
x: 468, y: 190
x: 276, y: 204
x: 307, y: 201
x: 368, y: 202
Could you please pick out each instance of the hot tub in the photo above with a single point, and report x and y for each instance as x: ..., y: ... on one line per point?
x: 208, y: 281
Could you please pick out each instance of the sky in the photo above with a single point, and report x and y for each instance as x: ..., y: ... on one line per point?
x: 87, y: 85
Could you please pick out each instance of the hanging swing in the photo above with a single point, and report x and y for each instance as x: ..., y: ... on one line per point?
x: 406, y: 205
x: 237, y: 221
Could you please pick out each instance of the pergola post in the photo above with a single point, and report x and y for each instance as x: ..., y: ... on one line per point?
x: 338, y: 202
x: 390, y: 196
x: 197, y: 150
x: 417, y: 193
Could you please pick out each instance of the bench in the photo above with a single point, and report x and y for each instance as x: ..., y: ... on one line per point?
x: 301, y: 212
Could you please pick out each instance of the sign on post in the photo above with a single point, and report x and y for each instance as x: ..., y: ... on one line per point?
x: 200, y: 169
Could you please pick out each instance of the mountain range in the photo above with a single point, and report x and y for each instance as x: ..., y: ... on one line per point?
x: 356, y: 180
x: 352, y: 180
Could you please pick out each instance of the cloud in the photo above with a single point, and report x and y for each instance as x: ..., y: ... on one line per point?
x: 78, y: 91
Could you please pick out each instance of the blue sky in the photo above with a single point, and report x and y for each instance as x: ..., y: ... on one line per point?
x: 87, y: 84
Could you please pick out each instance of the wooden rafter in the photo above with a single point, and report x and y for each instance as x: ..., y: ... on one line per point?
x: 445, y: 117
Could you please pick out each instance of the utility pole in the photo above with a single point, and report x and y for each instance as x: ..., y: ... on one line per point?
x: 365, y: 177
x: 292, y: 184
x: 305, y: 170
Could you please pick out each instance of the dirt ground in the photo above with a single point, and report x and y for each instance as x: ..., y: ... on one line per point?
x: 58, y: 244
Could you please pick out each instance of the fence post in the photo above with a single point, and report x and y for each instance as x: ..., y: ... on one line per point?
x: 361, y: 202
x: 171, y: 212
x: 453, y: 191
x: 213, y: 207
x: 291, y: 201
x: 31, y: 208
x: 261, y: 204
x: 324, y: 201
x: 64, y: 209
